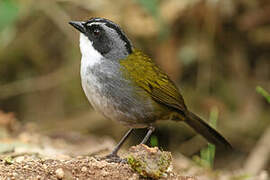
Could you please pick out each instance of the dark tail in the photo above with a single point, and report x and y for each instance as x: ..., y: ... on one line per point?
x: 206, y: 131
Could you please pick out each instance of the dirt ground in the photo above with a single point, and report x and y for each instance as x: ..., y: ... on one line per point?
x: 25, y: 153
x: 75, y: 168
x: 36, y: 157
x: 37, y: 163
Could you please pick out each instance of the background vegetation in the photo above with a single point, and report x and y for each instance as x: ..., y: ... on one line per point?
x: 217, y: 51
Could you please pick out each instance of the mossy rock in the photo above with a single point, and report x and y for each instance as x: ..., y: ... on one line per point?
x: 149, y: 162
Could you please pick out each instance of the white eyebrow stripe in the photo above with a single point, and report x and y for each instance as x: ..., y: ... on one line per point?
x: 95, y: 23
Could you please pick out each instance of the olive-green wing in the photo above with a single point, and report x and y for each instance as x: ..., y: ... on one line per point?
x: 144, y: 72
x: 153, y: 80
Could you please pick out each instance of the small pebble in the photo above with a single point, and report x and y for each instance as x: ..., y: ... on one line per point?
x: 19, y: 159
x: 59, y: 173
x: 133, y: 177
x: 84, y: 169
x: 100, y: 165
x: 104, y: 173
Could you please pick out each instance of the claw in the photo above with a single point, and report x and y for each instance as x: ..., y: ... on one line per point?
x: 114, y: 158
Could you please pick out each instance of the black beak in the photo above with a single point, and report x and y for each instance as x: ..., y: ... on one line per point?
x: 78, y: 25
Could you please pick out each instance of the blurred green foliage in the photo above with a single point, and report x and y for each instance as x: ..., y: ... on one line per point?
x: 8, y: 13
x: 208, y: 153
x: 153, y: 141
x: 152, y: 6
x: 264, y: 93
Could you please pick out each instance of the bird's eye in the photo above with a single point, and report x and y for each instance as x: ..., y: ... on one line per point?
x: 96, y: 32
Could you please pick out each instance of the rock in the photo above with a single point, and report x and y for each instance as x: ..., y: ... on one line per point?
x: 59, y: 173
x: 149, y: 162
x: 84, y: 169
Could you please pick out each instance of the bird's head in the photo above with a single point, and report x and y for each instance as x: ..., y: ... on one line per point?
x: 102, y: 37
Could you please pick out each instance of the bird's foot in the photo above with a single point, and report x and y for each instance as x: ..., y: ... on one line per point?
x: 114, y: 158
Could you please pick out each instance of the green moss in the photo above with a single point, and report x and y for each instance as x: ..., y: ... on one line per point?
x: 150, y: 165
x: 136, y: 165
x: 8, y: 160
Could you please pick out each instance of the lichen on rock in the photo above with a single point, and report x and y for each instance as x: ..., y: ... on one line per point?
x: 149, y: 162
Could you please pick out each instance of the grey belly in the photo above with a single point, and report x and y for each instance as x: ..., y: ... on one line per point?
x: 117, y: 100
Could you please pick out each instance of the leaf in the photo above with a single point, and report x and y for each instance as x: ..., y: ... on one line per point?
x: 263, y: 92
x: 208, y: 153
x: 154, y: 141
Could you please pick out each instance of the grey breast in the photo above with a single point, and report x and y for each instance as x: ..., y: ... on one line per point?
x: 115, y: 96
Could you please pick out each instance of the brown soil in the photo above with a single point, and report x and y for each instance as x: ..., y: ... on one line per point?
x: 26, y: 154
x: 33, y: 156
x: 27, y: 167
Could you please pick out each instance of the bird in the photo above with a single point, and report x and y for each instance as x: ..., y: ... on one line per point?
x: 126, y: 85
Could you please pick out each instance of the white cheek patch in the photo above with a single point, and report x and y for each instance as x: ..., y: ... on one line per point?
x: 90, y: 56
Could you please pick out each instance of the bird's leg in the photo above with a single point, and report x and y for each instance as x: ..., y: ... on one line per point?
x: 147, y: 136
x: 113, y: 155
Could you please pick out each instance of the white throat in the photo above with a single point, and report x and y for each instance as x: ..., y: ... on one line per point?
x: 90, y: 56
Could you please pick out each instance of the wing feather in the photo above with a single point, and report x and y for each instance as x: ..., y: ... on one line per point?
x: 147, y: 75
